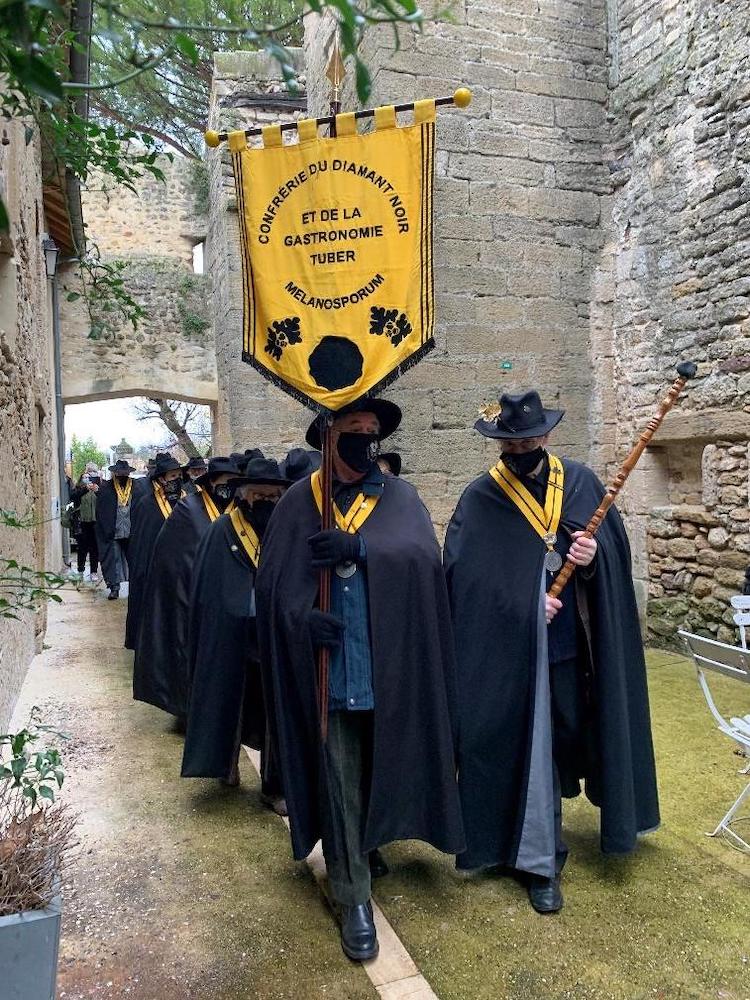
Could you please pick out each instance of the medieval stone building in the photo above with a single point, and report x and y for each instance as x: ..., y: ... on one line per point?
x: 591, y: 216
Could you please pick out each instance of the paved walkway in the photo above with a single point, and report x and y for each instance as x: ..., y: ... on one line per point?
x: 185, y: 890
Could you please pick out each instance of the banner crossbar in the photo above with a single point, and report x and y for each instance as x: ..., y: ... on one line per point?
x: 461, y: 99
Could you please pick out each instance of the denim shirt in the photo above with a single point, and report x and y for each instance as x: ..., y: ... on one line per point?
x: 350, y: 673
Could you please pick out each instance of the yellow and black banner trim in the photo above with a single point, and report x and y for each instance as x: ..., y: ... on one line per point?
x: 357, y: 514
x: 124, y: 493
x: 336, y: 239
x: 545, y: 521
x: 246, y: 534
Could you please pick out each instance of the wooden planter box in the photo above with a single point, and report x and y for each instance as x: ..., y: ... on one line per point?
x: 28, y: 953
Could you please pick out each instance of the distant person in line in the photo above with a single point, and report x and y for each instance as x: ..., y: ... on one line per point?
x: 149, y: 514
x: 83, y: 497
x: 160, y: 669
x: 551, y: 692
x: 226, y: 703
x: 114, y: 501
x: 193, y: 470
x: 389, y: 462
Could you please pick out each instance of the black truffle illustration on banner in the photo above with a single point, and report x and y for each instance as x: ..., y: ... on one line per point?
x: 390, y: 322
x: 336, y: 363
x: 281, y: 334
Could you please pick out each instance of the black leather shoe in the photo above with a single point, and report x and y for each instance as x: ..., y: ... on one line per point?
x: 114, y: 593
x: 378, y: 866
x: 358, y: 937
x: 545, y: 894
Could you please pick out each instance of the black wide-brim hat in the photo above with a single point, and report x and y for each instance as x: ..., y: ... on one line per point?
x: 388, y: 414
x: 393, y: 459
x: 195, y: 462
x: 218, y: 466
x: 518, y: 417
x: 299, y: 463
x: 121, y: 468
x: 261, y: 472
x: 164, y: 463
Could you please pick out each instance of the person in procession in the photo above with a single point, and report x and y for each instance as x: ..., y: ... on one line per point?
x: 83, y: 498
x: 550, y: 692
x: 193, y: 470
x: 386, y: 770
x: 160, y: 669
x: 115, y: 499
x: 164, y: 490
x: 226, y: 701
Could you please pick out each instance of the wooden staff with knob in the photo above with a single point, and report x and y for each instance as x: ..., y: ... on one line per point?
x: 685, y: 370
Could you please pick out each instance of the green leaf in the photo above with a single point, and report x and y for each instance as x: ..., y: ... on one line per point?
x: 187, y: 46
x: 73, y: 296
x: 364, y: 82
x: 30, y: 793
x: 36, y: 75
x: 47, y: 793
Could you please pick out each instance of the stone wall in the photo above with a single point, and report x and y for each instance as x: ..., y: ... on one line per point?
x: 247, y: 90
x: 680, y: 245
x: 519, y: 184
x: 27, y: 415
x: 152, y: 232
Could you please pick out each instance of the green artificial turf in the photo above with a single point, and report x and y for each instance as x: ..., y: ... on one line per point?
x: 672, y: 920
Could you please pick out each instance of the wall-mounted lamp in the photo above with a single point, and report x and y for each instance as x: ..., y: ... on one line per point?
x: 51, y: 253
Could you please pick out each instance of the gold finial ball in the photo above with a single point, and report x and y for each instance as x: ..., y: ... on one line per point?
x: 212, y: 139
x: 462, y: 97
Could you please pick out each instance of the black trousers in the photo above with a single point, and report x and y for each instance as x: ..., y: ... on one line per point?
x: 88, y: 546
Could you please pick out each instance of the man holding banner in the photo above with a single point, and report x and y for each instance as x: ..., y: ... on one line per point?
x: 387, y: 770
x: 336, y: 239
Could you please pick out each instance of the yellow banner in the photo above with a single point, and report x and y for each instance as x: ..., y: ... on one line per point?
x: 336, y: 239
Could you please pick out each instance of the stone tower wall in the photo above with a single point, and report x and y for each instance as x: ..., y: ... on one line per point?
x: 680, y: 237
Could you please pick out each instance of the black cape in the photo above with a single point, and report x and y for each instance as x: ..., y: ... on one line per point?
x: 413, y: 793
x: 146, y: 521
x: 106, y: 515
x: 160, y: 670
x: 494, y: 568
x: 226, y: 701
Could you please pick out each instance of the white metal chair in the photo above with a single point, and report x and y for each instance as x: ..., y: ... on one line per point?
x: 741, y: 604
x: 731, y: 661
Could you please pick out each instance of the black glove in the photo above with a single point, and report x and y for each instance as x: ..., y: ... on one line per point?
x: 329, y: 548
x: 325, y: 629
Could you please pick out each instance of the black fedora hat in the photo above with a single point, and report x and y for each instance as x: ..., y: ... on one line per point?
x: 299, y: 463
x: 393, y: 459
x: 218, y: 466
x: 388, y: 414
x: 195, y: 462
x: 518, y: 417
x: 164, y: 463
x: 262, y: 472
x: 121, y: 468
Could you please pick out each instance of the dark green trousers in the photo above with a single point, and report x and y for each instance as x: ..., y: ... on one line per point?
x: 349, y: 751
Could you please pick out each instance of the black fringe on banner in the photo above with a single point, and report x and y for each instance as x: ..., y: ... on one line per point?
x: 311, y: 404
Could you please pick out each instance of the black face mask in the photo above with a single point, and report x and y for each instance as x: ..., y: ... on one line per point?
x: 173, y: 489
x: 222, y: 494
x: 258, y: 513
x: 525, y: 462
x: 359, y: 451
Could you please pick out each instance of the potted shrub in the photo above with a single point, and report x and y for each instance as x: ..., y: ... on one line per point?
x: 36, y: 840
